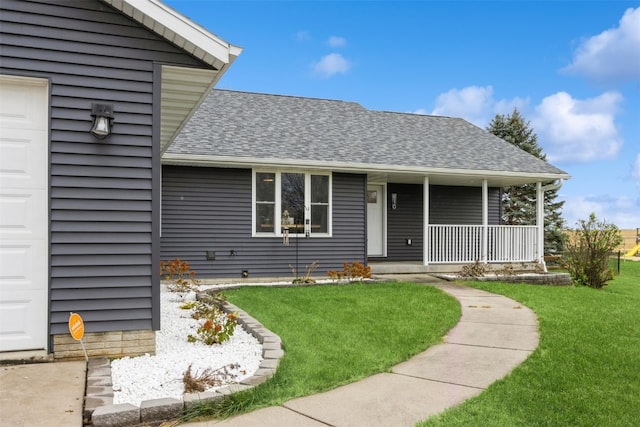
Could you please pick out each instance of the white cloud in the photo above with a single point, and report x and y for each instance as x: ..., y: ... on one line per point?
x: 612, y: 55
x: 621, y: 211
x: 330, y: 65
x: 568, y: 129
x: 578, y: 130
x: 335, y: 41
x: 473, y: 103
x: 506, y: 106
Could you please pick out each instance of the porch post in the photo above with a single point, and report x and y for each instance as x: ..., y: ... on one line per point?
x: 485, y: 221
x: 426, y: 247
x: 540, y: 222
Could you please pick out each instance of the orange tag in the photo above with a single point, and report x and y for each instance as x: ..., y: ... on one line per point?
x: 76, y: 326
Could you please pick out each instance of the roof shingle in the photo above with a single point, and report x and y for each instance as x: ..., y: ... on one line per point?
x: 251, y: 125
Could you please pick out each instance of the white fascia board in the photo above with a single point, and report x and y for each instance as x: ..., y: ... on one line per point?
x: 251, y: 162
x: 179, y: 30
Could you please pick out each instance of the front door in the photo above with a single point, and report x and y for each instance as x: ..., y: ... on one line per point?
x: 375, y: 220
x: 24, y: 236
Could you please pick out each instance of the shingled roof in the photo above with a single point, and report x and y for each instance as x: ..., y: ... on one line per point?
x: 252, y: 129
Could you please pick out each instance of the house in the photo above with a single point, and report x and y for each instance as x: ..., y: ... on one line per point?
x: 79, y: 212
x: 256, y: 185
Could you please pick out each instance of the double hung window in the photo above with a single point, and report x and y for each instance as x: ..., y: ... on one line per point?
x: 298, y: 201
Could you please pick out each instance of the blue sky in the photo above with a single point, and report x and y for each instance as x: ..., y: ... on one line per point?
x: 572, y: 68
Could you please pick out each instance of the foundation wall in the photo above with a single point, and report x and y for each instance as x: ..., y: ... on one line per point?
x: 105, y: 344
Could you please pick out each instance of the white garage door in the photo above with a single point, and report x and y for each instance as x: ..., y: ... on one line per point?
x: 23, y: 213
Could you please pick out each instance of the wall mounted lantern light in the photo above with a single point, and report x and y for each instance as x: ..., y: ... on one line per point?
x: 102, y: 117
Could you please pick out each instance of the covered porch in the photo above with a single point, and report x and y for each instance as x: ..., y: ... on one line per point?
x: 446, y: 244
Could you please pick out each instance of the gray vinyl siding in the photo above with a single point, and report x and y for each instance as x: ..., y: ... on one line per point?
x: 103, y: 259
x: 461, y: 205
x: 209, y: 209
x: 447, y: 205
x: 405, y: 222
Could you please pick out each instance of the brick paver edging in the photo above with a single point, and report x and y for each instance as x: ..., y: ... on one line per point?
x: 99, y: 405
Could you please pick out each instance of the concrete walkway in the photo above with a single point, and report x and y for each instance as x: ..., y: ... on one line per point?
x: 42, y: 394
x: 495, y: 334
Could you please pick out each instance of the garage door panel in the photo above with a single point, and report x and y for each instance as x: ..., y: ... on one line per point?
x: 21, y: 157
x: 22, y: 321
x: 23, y: 214
x: 24, y: 195
x: 20, y: 268
x: 24, y: 103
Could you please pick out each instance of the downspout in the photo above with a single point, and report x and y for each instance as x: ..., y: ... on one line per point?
x: 540, y: 216
x: 554, y: 185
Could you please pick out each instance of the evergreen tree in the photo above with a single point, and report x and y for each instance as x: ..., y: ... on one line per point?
x: 519, y: 202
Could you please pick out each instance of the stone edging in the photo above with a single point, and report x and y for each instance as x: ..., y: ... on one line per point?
x: 553, y: 279
x: 99, y: 407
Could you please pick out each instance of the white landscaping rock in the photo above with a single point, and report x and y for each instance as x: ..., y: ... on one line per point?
x: 136, y: 379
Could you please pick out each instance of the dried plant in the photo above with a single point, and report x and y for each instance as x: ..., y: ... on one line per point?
x: 476, y: 269
x: 506, y: 270
x: 307, y: 277
x: 199, y: 382
x: 179, y: 273
x: 354, y: 272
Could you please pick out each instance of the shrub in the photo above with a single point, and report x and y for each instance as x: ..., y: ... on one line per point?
x: 183, y: 280
x: 353, y: 272
x: 587, y: 251
x: 216, y: 327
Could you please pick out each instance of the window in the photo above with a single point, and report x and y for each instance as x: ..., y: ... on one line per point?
x: 300, y: 201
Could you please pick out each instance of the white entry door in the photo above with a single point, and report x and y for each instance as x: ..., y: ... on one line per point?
x: 24, y: 110
x: 375, y: 220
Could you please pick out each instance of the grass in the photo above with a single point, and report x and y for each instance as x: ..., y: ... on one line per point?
x: 586, y: 370
x: 337, y: 334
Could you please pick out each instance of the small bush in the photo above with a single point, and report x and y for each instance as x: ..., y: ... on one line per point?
x: 216, y: 327
x: 587, y: 251
x: 354, y: 272
x: 183, y: 280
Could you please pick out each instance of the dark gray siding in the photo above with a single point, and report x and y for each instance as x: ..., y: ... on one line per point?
x: 103, y: 262
x: 461, y: 205
x: 447, y: 205
x: 209, y: 209
x: 404, y: 222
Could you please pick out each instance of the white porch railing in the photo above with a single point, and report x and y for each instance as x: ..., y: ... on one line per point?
x: 464, y: 243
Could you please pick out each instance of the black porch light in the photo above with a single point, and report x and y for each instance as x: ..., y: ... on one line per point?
x: 102, y: 117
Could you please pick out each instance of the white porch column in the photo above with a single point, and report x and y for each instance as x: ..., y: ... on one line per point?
x: 426, y: 247
x: 540, y: 222
x: 485, y: 221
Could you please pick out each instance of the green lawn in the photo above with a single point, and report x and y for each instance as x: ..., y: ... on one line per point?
x: 337, y: 334
x: 586, y: 370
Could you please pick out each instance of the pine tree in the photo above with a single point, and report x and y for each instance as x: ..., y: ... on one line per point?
x: 519, y: 202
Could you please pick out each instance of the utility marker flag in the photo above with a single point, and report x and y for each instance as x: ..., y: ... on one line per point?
x: 76, y: 329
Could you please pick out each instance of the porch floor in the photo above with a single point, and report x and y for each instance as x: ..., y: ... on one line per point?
x: 408, y: 267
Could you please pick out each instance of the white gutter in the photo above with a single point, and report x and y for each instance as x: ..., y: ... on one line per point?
x: 252, y: 162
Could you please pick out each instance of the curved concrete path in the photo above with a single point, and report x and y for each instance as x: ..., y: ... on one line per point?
x: 494, y: 335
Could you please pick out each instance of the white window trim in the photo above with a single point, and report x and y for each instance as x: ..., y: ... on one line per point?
x: 278, y: 209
